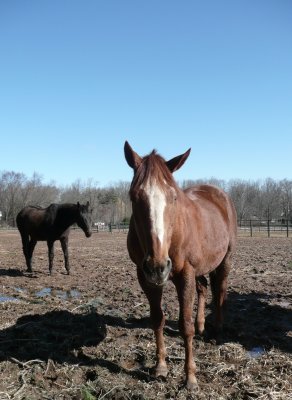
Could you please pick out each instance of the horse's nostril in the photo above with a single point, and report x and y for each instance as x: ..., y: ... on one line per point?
x: 168, y: 263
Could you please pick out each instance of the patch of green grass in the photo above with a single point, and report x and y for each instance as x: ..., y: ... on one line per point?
x: 87, y: 394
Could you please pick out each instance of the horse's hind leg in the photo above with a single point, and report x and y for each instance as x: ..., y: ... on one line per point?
x: 25, y: 248
x: 218, y: 280
x: 201, y: 286
x: 154, y: 296
x: 64, y: 244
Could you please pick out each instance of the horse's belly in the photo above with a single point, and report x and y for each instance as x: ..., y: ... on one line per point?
x: 38, y: 234
x: 208, y: 264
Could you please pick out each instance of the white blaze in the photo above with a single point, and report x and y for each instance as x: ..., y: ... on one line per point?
x: 157, y: 203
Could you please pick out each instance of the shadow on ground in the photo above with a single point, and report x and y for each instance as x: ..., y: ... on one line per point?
x: 252, y: 321
x: 55, y: 335
x: 59, y: 335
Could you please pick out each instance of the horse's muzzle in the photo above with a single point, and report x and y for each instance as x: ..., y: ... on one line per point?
x: 88, y: 234
x: 157, y: 273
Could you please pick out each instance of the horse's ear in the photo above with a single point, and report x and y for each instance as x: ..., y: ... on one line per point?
x: 78, y: 204
x: 133, y: 159
x: 87, y: 204
x: 175, y: 163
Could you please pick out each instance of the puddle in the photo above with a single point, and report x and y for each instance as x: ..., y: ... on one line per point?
x: 62, y: 294
x: 20, y: 290
x: 256, y: 352
x: 5, y: 299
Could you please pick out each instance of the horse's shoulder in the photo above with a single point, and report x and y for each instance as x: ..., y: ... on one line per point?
x: 52, y: 207
x: 51, y: 212
x: 207, y: 192
x: 208, y: 196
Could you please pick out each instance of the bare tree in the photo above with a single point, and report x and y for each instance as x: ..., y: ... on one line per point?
x: 267, y: 203
x: 10, y: 191
x: 244, y: 195
x: 34, y: 192
x: 286, y: 198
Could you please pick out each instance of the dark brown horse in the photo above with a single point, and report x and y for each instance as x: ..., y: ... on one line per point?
x: 179, y: 235
x: 51, y: 224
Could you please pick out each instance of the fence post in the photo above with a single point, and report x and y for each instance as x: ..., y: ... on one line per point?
x: 287, y: 227
x: 250, y: 226
x: 268, y: 227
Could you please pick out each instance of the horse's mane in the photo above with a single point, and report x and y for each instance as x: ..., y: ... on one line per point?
x: 153, y: 168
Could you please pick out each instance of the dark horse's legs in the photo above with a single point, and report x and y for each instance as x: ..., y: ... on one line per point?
x: 64, y: 244
x: 28, y: 246
x: 218, y: 280
x: 185, y: 285
x: 31, y: 247
x: 154, y: 296
x: 51, y: 254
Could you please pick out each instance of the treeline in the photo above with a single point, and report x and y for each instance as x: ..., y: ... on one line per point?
x: 265, y: 199
x: 261, y: 199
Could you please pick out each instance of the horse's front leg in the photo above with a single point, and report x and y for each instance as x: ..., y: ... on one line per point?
x: 154, y: 296
x: 64, y: 245
x: 186, y: 285
x: 51, y: 255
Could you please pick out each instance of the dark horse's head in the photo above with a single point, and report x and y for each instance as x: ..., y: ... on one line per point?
x: 84, y: 218
x: 153, y: 194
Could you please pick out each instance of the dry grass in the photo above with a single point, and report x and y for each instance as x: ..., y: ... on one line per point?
x: 225, y: 372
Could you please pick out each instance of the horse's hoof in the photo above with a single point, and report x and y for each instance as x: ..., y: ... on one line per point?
x: 201, y: 332
x: 29, y: 270
x: 161, y: 371
x: 192, y: 384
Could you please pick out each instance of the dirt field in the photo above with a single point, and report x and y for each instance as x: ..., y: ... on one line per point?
x: 86, y: 336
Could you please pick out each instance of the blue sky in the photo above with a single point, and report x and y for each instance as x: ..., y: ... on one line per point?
x: 78, y: 78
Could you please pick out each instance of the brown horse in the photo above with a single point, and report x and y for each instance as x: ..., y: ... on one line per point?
x: 51, y: 224
x: 179, y: 235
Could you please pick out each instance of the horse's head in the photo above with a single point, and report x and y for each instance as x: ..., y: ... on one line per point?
x: 153, y: 194
x: 84, y: 218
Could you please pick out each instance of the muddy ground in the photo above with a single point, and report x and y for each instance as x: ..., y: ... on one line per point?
x: 86, y: 336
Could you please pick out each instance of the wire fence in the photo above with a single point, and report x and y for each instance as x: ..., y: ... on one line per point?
x: 267, y: 227
x: 246, y: 228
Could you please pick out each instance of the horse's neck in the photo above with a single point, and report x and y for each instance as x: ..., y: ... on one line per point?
x: 66, y: 217
x: 182, y: 217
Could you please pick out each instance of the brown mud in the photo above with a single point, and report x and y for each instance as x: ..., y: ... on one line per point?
x: 87, y: 336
